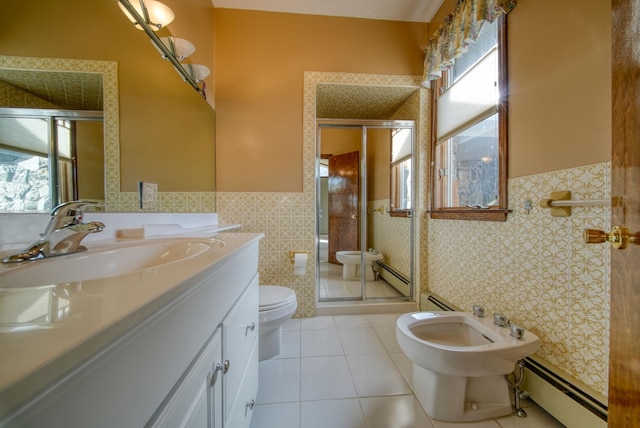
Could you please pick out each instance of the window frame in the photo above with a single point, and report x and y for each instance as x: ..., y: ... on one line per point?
x: 499, y: 212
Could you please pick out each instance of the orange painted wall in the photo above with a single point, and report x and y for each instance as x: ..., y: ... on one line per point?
x: 260, y: 60
x: 560, y: 77
x: 560, y: 83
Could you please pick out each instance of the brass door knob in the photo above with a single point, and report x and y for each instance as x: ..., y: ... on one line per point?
x: 619, y: 237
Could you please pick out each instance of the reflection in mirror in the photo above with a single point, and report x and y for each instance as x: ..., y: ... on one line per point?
x: 354, y: 164
x: 45, y: 155
x: 401, y: 172
x: 53, y: 145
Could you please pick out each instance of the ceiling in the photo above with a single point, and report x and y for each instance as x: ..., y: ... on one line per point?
x: 359, y: 102
x: 390, y: 10
x: 64, y: 90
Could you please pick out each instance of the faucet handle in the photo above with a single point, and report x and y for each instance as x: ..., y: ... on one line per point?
x: 517, y: 331
x: 500, y: 320
x: 478, y: 311
x: 69, y: 213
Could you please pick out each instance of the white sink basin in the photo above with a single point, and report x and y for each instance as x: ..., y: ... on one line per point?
x: 103, y: 262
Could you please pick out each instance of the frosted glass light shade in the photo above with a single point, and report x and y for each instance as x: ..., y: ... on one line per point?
x: 180, y: 48
x: 197, y: 71
x: 155, y: 13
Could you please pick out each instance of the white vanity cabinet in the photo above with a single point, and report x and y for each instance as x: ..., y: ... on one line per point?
x: 185, y: 358
x: 240, y: 367
x: 197, y: 399
x: 226, y: 371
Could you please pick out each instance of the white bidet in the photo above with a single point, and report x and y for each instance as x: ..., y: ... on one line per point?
x: 351, y: 264
x: 460, y: 363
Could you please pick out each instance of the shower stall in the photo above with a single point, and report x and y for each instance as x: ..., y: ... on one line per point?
x: 365, y: 191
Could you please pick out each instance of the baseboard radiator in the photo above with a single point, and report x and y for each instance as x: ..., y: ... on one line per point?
x: 393, y: 277
x: 571, y: 404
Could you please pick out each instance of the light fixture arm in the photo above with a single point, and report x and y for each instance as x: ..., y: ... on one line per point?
x: 161, y: 46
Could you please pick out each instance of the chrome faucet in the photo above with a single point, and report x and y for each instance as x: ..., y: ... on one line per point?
x: 63, y: 233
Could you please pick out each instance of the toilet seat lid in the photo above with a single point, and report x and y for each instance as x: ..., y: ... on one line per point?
x: 275, y: 296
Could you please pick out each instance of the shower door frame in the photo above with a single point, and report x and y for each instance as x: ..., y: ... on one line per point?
x: 364, y: 125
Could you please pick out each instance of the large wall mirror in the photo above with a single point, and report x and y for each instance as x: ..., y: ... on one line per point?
x: 51, y: 138
x: 156, y: 127
x: 54, y: 117
x: 365, y: 251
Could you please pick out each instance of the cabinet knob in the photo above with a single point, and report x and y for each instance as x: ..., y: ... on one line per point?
x: 225, y: 367
x: 251, y: 327
x: 250, y: 404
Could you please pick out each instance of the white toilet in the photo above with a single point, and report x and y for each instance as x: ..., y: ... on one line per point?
x: 277, y: 306
x: 351, y: 264
x: 460, y: 362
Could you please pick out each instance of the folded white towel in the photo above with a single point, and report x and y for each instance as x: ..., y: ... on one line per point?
x: 148, y: 230
x: 162, y: 229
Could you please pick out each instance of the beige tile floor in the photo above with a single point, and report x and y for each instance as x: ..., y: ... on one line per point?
x: 348, y: 372
x: 333, y: 286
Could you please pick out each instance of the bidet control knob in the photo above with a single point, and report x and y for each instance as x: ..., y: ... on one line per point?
x: 517, y: 332
x: 500, y: 319
x: 478, y: 311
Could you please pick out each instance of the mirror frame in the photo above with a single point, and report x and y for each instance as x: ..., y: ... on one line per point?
x: 109, y: 72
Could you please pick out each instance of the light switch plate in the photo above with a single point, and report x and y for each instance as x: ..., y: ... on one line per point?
x: 148, y: 195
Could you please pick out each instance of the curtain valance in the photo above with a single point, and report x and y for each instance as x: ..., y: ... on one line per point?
x: 458, y: 30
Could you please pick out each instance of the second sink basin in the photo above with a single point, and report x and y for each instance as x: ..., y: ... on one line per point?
x: 103, y: 262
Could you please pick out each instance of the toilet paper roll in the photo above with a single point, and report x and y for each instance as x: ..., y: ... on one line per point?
x: 300, y: 260
x: 299, y: 263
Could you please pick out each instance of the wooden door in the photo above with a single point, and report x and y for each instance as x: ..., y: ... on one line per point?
x: 624, y: 360
x: 344, y: 186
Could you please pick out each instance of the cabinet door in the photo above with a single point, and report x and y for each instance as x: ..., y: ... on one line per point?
x: 241, y: 410
x: 196, y: 401
x: 240, y: 335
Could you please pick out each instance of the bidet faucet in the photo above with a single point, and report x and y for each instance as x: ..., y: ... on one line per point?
x: 478, y: 311
x: 500, y: 320
x: 63, y: 233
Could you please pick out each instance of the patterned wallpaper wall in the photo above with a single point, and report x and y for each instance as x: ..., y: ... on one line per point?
x: 391, y: 236
x: 536, y: 269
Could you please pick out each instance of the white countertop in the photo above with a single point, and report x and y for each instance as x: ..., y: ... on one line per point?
x: 88, y: 315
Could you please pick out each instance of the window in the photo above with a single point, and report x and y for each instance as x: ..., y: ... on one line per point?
x: 401, y: 156
x: 40, y: 160
x: 470, y: 132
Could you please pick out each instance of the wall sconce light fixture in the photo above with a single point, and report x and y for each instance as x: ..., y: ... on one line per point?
x: 150, y: 16
x: 180, y: 48
x: 155, y: 14
x: 197, y: 71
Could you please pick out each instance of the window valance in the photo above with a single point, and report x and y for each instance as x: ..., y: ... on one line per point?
x: 460, y: 28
